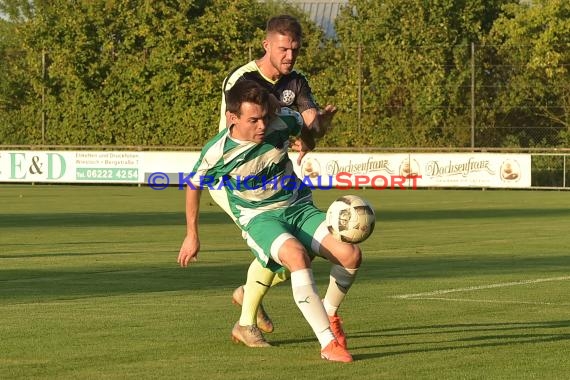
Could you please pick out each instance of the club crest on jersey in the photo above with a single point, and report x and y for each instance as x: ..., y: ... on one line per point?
x: 287, y: 97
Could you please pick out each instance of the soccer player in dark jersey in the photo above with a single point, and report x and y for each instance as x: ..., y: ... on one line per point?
x: 275, y: 72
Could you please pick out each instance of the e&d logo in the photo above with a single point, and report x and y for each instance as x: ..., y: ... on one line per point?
x: 36, y: 165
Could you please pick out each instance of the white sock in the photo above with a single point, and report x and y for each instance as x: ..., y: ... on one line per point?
x: 308, y: 301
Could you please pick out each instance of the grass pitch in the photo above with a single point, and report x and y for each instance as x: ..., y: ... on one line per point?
x: 463, y: 284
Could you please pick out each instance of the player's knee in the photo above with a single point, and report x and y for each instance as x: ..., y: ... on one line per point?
x: 351, y: 256
x: 294, y: 256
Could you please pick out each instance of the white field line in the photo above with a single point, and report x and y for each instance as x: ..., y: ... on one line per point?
x: 489, y: 301
x: 480, y: 287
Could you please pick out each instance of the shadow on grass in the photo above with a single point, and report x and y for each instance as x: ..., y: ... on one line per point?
x: 23, y: 285
x: 218, y: 217
x: 461, y: 327
x: 379, y: 269
x: 51, y: 255
x: 107, y: 219
x: 530, y: 334
x: 99, y: 278
x: 449, y: 329
x: 412, y: 215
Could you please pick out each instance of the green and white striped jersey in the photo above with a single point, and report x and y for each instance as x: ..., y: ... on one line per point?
x: 255, y: 177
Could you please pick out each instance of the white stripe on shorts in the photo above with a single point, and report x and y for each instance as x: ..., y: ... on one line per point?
x: 318, y: 238
x: 276, y: 245
x: 253, y: 245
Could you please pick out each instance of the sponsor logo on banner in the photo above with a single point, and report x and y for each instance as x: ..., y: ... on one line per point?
x: 410, y: 168
x: 311, y: 168
x: 69, y: 166
x: 366, y: 165
x: 494, y: 170
x: 33, y: 166
x: 461, y: 167
x: 323, y: 170
x: 354, y: 171
x: 510, y: 170
x: 107, y: 166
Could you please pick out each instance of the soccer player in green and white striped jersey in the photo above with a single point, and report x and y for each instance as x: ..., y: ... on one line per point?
x: 282, y: 226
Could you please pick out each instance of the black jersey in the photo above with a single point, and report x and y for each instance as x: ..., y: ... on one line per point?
x: 292, y: 90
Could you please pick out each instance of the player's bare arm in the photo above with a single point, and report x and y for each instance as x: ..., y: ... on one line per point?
x: 319, y: 121
x: 306, y: 139
x: 191, y: 245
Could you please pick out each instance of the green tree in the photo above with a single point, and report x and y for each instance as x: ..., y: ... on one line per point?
x: 531, y: 73
x: 413, y: 60
x: 20, y: 105
x: 135, y: 72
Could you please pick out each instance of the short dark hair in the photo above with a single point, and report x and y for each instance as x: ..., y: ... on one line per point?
x: 286, y: 25
x: 246, y: 91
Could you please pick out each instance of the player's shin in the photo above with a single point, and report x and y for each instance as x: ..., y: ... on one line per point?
x: 341, y: 279
x: 308, y: 301
x: 258, y: 282
x: 280, y: 277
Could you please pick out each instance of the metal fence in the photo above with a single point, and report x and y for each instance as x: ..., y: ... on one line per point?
x: 475, y: 118
x: 551, y: 171
x: 548, y: 114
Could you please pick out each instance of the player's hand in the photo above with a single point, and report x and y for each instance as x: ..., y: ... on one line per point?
x: 298, y: 145
x: 326, y: 115
x: 189, y: 251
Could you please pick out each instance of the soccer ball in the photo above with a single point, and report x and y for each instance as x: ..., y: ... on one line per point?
x: 350, y: 219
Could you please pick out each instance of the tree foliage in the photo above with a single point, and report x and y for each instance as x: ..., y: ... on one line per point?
x: 532, y: 49
x: 414, y: 60
x: 143, y: 72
